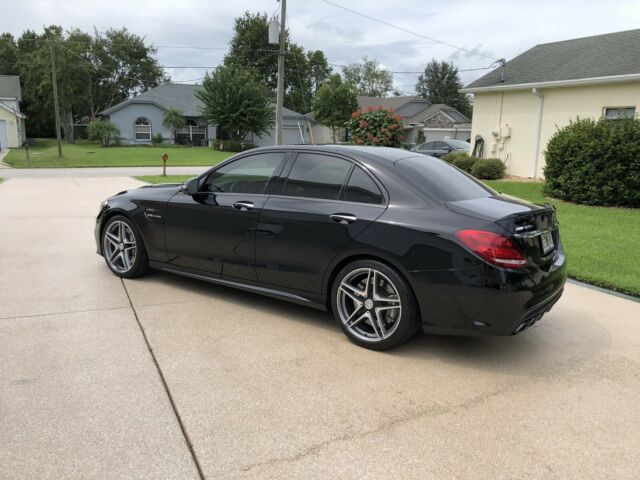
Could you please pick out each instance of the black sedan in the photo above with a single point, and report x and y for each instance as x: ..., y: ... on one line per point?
x: 387, y: 240
x: 441, y: 147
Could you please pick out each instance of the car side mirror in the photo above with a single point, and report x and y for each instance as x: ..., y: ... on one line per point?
x: 190, y: 187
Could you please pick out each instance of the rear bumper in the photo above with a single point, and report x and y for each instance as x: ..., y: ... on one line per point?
x: 488, y: 300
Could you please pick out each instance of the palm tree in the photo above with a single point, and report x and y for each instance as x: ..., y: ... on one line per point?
x: 173, y: 119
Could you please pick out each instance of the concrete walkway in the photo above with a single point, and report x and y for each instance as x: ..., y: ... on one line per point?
x: 268, y: 390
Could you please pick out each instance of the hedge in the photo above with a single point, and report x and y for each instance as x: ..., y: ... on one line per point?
x: 453, y: 156
x: 465, y: 163
x: 488, y: 169
x: 595, y: 162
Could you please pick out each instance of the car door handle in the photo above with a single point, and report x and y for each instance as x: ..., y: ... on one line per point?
x: 343, y: 218
x: 243, y: 206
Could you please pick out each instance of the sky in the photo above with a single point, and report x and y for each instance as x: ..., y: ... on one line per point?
x: 484, y: 31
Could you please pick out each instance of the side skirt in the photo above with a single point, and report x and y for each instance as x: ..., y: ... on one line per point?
x: 317, y: 302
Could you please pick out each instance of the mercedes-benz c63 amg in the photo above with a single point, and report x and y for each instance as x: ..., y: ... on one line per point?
x: 388, y: 240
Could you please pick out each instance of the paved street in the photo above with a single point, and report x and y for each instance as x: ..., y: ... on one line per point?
x: 268, y: 390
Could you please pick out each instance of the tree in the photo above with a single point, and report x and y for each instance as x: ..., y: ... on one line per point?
x: 441, y: 83
x: 376, y: 126
x: 103, y: 131
x: 95, y: 71
x: 237, y: 101
x: 173, y: 119
x: 250, y: 49
x: 334, y: 104
x: 319, y: 69
x: 368, y: 78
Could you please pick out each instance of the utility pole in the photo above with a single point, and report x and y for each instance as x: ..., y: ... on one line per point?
x: 281, y: 54
x: 55, y: 98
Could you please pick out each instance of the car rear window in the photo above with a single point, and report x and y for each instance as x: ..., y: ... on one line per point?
x: 440, y: 180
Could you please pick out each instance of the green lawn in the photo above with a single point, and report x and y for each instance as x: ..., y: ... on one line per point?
x: 90, y: 154
x: 167, y: 179
x: 601, y: 243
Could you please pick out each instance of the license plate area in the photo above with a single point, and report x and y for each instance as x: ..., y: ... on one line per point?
x: 546, y: 242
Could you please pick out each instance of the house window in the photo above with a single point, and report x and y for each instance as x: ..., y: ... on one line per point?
x: 614, y: 113
x: 142, y: 129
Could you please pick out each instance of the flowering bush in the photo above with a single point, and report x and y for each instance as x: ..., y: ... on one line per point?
x: 375, y: 126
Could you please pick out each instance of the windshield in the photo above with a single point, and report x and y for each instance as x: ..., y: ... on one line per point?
x: 459, y: 144
x: 440, y: 180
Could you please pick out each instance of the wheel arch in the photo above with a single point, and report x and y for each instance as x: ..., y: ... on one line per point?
x: 345, y: 260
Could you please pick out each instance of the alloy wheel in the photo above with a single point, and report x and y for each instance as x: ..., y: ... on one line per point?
x: 119, y: 246
x: 369, y: 304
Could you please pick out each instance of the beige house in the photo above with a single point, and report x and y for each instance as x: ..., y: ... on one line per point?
x: 11, y: 120
x: 518, y: 107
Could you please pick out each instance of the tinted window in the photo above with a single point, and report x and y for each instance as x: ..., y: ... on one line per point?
x: 439, y: 145
x: 440, y: 180
x: 247, y: 175
x: 361, y: 188
x: 427, y: 146
x: 316, y: 176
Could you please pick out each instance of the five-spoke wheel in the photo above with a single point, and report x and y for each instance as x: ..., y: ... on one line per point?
x: 374, y: 305
x: 122, y: 248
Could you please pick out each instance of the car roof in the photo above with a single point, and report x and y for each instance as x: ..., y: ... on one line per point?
x: 385, y: 155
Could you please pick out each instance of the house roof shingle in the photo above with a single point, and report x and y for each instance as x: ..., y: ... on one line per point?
x: 10, y: 86
x: 581, y: 58
x: 180, y: 96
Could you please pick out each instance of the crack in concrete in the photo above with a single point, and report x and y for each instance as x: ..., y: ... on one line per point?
x: 89, y: 310
x: 432, y: 411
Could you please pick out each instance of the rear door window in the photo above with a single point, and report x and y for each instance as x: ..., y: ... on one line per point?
x: 316, y: 176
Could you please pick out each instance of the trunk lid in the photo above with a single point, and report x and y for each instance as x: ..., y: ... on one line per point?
x: 534, y: 228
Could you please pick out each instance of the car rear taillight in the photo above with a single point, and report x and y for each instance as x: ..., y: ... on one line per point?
x: 493, y: 247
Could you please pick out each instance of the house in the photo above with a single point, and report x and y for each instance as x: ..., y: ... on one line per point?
x: 519, y: 106
x: 12, y: 132
x: 140, y: 118
x: 438, y: 121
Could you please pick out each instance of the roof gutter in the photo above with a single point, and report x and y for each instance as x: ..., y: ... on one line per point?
x: 631, y: 77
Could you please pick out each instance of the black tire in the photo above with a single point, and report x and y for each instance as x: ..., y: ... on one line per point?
x: 364, y: 333
x: 140, y: 265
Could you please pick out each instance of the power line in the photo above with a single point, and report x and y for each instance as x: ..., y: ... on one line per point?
x: 435, y: 40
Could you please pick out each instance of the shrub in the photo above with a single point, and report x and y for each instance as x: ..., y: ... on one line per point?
x: 375, y: 126
x: 104, y: 131
x: 595, y: 162
x: 453, y: 156
x: 488, y: 169
x: 465, y: 163
x: 157, y: 139
x: 232, y: 146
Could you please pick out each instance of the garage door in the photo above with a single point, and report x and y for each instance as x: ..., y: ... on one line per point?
x: 4, y: 138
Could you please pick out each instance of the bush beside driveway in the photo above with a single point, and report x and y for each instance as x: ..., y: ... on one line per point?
x: 91, y: 154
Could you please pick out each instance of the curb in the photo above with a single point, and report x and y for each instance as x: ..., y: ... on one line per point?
x: 604, y: 290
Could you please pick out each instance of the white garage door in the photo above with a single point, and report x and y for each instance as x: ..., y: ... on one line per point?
x: 4, y: 138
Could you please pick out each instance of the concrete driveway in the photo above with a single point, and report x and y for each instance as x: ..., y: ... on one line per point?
x: 265, y: 389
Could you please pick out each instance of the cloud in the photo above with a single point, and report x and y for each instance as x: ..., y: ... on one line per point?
x: 496, y: 28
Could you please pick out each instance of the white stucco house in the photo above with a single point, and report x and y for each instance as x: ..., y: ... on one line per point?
x: 12, y: 132
x: 518, y: 107
x: 140, y: 118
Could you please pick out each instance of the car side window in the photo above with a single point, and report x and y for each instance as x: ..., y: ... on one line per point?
x: 440, y: 146
x: 361, y: 188
x: 427, y: 146
x: 316, y: 176
x: 247, y: 175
